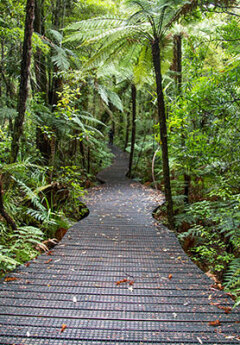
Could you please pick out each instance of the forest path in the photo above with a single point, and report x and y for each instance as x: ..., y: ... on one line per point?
x: 71, y: 297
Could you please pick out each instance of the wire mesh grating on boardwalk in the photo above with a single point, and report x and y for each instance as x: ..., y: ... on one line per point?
x: 116, y: 278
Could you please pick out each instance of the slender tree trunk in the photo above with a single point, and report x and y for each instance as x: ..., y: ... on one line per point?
x: 88, y: 159
x: 25, y: 72
x: 163, y: 130
x: 177, y: 67
x: 177, y: 61
x: 39, y: 58
x: 81, y: 147
x: 127, y: 131
x: 57, y: 82
x: 3, y: 213
x: 133, y: 95
x: 42, y: 141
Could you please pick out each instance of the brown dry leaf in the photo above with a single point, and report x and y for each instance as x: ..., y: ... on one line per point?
x: 214, y: 323
x: 27, y: 264
x: 131, y: 282
x: 10, y: 279
x: 226, y: 309
x: 121, y: 281
x: 50, y: 252
x: 47, y: 262
x: 63, y: 327
x: 170, y: 276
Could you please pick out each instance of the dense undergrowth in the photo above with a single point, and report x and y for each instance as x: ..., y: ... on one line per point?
x: 42, y: 205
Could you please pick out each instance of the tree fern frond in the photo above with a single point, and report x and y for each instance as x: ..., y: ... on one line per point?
x: 102, y: 93
x: 18, y: 166
x: 95, y: 23
x: 30, y: 195
x: 143, y: 66
x: 56, y: 35
x: 61, y: 59
x: 232, y: 276
x: 115, y: 100
x: 89, y: 117
x: 94, y: 130
x: 77, y: 121
x: 114, y: 34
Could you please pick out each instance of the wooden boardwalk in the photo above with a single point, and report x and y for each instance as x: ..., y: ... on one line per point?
x: 116, y: 278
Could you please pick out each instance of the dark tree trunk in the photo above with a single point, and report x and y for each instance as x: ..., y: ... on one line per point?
x: 81, y: 147
x: 57, y: 82
x: 187, y: 182
x: 3, y: 213
x: 177, y: 67
x: 133, y: 96
x: 163, y: 130
x: 177, y: 61
x: 88, y: 160
x: 25, y: 72
x: 42, y: 141
x: 127, y: 131
x: 39, y: 59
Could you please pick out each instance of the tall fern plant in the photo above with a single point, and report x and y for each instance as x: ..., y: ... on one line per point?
x: 146, y: 28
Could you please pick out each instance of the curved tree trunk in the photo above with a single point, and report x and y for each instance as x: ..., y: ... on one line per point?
x: 25, y: 72
x: 163, y: 130
x: 133, y: 95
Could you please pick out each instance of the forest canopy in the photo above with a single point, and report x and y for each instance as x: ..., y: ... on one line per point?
x: 163, y: 77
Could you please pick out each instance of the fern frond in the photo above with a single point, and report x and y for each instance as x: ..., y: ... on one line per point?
x: 61, y: 59
x: 95, y: 24
x: 89, y: 117
x: 232, y: 276
x: 56, y: 35
x: 30, y: 195
x: 115, y: 100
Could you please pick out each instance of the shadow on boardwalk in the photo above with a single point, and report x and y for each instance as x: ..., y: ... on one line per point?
x: 108, y: 281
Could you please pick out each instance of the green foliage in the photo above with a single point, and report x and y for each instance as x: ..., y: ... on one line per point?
x: 232, y: 279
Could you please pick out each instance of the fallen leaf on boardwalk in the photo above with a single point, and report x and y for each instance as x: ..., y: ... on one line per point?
x: 10, y: 279
x: 226, y: 309
x: 200, y: 341
x: 63, y: 327
x: 47, y: 262
x: 170, y: 276
x: 131, y: 282
x: 50, y: 252
x: 214, y: 323
x: 27, y: 264
x: 130, y: 288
